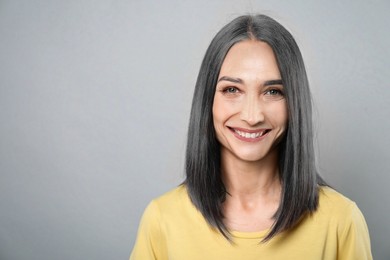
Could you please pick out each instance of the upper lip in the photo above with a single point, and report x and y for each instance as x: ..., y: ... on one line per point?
x: 249, y: 130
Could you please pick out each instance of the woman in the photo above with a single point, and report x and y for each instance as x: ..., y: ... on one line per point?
x: 252, y: 190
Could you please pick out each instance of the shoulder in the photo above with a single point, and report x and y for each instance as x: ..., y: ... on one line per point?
x: 172, y: 214
x: 347, y: 220
x: 159, y: 216
x: 160, y: 211
x: 171, y: 204
x: 336, y: 204
x: 333, y: 201
x: 339, y: 210
x: 178, y: 193
x: 171, y: 199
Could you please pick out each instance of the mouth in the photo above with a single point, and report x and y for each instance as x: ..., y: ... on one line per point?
x: 249, y: 135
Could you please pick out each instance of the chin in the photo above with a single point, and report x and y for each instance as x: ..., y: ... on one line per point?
x: 255, y: 155
x: 251, y: 157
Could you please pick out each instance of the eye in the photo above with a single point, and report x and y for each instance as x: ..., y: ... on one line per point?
x: 230, y: 90
x: 273, y: 94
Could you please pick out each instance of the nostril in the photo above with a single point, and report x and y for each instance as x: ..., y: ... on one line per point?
x: 252, y: 117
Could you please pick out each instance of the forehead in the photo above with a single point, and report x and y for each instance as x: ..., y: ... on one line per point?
x: 250, y: 58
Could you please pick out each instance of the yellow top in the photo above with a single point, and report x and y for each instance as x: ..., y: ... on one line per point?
x: 172, y: 228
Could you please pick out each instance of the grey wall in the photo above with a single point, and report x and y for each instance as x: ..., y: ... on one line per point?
x: 95, y: 99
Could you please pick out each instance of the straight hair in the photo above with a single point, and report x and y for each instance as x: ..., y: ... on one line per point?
x: 299, y: 177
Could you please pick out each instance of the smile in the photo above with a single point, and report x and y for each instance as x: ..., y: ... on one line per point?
x: 249, y: 134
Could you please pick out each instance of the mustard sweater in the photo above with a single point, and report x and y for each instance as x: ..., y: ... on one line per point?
x: 172, y: 228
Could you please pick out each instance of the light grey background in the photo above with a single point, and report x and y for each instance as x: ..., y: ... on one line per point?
x: 95, y: 98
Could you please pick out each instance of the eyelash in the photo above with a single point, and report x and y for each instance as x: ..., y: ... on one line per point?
x: 227, y: 90
x: 271, y: 92
x: 279, y: 92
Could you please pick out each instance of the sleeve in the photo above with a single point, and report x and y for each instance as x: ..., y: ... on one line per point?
x: 354, y: 239
x: 150, y: 242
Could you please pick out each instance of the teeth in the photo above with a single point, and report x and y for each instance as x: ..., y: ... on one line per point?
x: 249, y: 135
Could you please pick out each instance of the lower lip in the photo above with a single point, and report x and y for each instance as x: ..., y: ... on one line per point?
x: 249, y: 140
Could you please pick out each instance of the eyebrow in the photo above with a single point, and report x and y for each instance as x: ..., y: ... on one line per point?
x: 234, y: 80
x: 273, y: 82
x: 240, y: 81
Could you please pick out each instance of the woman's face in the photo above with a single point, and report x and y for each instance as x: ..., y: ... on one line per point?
x: 249, y: 110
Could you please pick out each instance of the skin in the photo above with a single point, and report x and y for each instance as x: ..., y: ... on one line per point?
x: 250, y: 118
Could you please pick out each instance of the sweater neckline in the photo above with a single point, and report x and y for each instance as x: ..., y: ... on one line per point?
x: 249, y: 235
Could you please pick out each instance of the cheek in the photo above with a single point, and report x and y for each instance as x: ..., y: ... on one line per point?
x: 224, y: 108
x: 283, y: 113
x: 218, y: 119
x: 280, y: 115
x: 215, y: 110
x: 219, y: 110
x: 216, y: 114
x: 284, y: 117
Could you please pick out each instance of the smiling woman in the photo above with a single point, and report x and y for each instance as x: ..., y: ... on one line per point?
x: 250, y: 169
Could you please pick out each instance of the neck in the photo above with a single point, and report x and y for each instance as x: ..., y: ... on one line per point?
x: 246, y: 179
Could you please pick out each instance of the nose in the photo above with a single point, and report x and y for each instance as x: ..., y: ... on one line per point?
x: 252, y: 110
